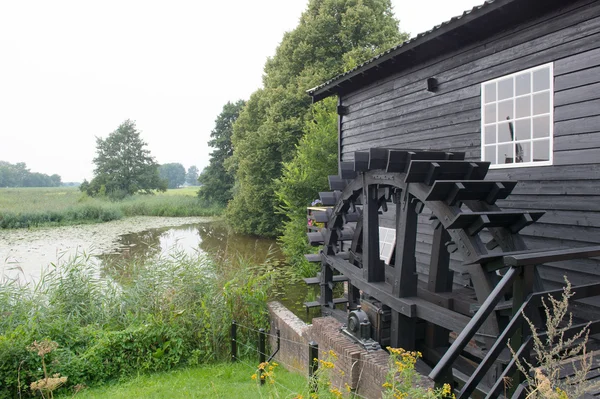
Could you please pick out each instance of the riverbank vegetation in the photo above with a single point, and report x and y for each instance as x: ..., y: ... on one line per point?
x: 36, y: 207
x: 160, y: 315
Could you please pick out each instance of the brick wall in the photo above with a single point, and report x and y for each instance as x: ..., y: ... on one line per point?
x: 363, y: 371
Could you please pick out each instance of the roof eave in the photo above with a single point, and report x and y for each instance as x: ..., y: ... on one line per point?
x: 336, y: 84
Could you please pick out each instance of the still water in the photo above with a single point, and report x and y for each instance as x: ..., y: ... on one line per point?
x: 216, y: 240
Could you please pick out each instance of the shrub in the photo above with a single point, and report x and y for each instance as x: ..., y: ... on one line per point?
x: 166, y: 313
x: 553, y: 350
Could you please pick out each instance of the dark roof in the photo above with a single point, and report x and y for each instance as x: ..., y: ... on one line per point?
x: 488, y: 18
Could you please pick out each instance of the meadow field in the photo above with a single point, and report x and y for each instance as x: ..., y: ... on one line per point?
x: 57, y: 206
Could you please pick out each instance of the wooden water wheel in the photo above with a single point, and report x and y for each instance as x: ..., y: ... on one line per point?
x: 450, y: 194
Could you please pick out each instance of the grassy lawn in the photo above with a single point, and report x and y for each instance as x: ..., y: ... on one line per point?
x: 56, y: 206
x: 216, y: 381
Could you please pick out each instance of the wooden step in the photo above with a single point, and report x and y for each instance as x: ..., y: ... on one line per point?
x: 429, y: 171
x: 315, y: 239
x: 399, y: 160
x: 347, y: 170
x: 320, y: 217
x: 329, y: 198
x: 338, y: 301
x: 378, y: 158
x: 312, y: 280
x: 361, y: 161
x: 345, y: 234
x: 337, y: 183
x: 313, y: 258
x: 312, y: 304
x: 474, y: 222
x: 352, y: 217
x: 453, y: 191
x: 340, y: 278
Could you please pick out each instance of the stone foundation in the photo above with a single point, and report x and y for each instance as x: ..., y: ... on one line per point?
x: 361, y: 370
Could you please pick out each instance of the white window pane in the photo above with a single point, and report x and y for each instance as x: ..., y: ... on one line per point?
x: 523, y: 129
x: 385, y: 249
x: 541, y: 127
x: 541, y: 79
x: 523, y: 84
x: 506, y: 153
x: 523, y: 107
x: 517, y: 117
x: 490, y: 134
x: 505, y: 88
x: 489, y: 92
x: 505, y: 110
x: 541, y: 103
x: 541, y: 150
x: 490, y: 154
x: 504, y: 132
x: 490, y: 113
x: 523, y: 152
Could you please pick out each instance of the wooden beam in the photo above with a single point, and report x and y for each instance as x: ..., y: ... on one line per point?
x: 373, y: 267
x: 410, y: 307
x: 440, y: 280
x: 405, y: 277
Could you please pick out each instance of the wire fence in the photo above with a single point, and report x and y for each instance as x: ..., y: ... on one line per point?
x: 257, y: 349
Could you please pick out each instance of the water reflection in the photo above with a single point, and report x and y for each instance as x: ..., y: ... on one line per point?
x: 212, y: 238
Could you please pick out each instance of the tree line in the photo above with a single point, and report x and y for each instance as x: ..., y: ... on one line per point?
x: 18, y: 175
x: 273, y: 153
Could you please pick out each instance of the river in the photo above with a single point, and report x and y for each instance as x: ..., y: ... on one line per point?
x: 24, y: 253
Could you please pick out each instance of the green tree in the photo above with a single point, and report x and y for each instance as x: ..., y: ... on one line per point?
x: 217, y: 182
x: 302, y: 179
x: 191, y: 176
x: 332, y: 35
x: 124, y: 165
x: 173, y: 173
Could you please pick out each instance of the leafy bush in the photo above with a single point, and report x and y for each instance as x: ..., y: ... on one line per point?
x: 165, y: 313
x: 303, y: 178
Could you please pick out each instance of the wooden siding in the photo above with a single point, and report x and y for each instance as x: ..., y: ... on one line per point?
x: 397, y: 111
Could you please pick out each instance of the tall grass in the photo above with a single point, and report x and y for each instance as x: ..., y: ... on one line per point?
x: 34, y: 207
x: 163, y: 313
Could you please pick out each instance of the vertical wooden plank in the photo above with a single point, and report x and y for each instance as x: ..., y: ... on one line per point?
x: 405, y: 281
x: 440, y: 275
x: 326, y: 291
x: 440, y: 280
x: 403, y: 329
x: 353, y: 296
x: 373, y: 267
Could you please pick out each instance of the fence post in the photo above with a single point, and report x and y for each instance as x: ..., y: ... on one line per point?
x: 262, y: 353
x: 313, y: 364
x: 233, y: 341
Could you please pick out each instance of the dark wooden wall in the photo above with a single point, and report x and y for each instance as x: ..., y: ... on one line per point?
x: 398, y: 111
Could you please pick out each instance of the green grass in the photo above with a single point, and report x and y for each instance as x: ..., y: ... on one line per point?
x: 57, y: 206
x: 223, y: 380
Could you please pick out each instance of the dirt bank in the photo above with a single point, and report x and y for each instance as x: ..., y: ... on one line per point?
x: 25, y: 252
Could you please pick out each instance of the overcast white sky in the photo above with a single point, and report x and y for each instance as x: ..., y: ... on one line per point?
x: 74, y: 70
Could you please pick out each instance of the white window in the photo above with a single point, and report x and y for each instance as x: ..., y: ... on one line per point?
x: 387, y: 243
x: 517, y: 114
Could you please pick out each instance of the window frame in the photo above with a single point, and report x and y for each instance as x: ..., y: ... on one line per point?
x: 550, y: 114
